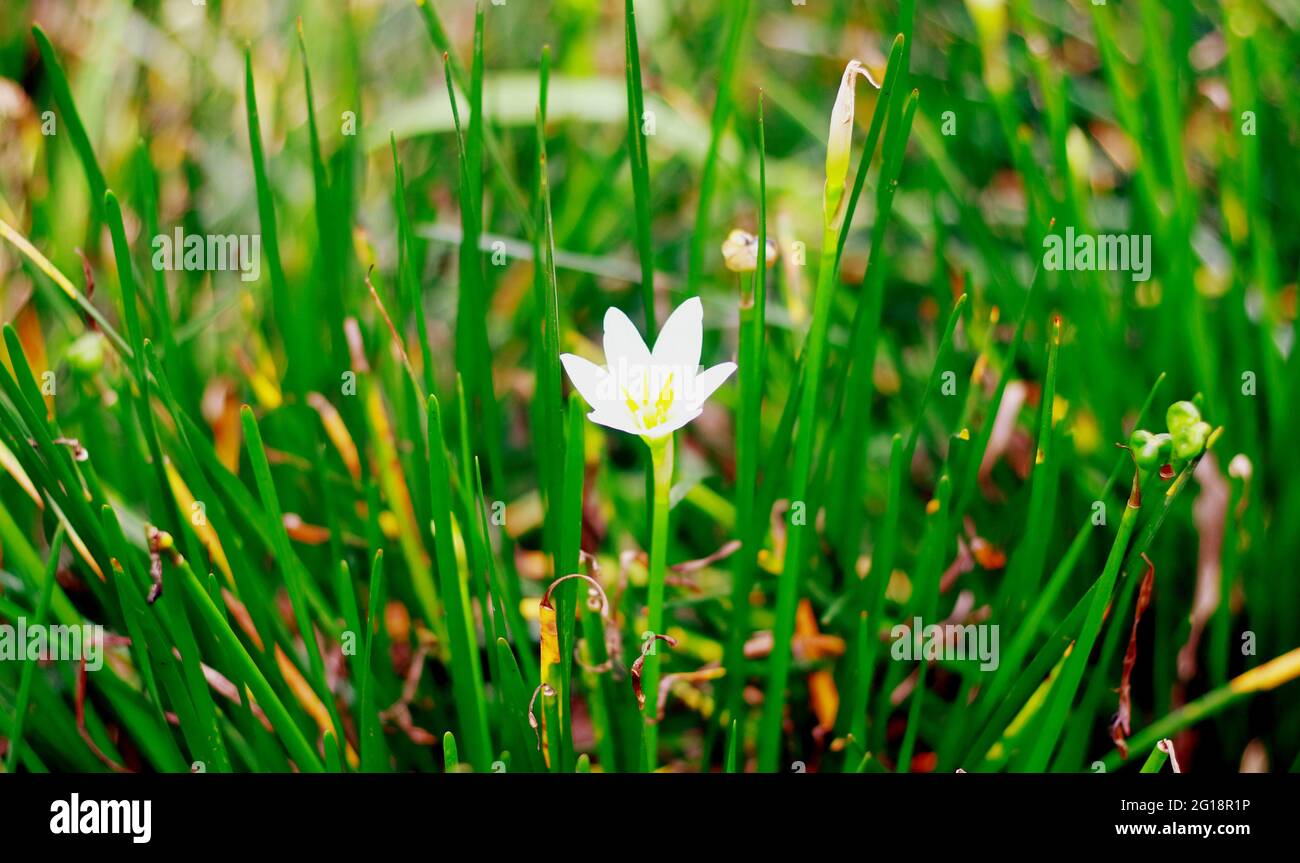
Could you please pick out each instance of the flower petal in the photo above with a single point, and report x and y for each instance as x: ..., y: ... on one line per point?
x: 673, y: 423
x: 626, y: 356
x: 587, y: 378
x: 615, y: 419
x: 678, y: 347
x: 706, y: 382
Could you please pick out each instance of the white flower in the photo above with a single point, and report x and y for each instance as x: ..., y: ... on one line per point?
x: 644, y: 392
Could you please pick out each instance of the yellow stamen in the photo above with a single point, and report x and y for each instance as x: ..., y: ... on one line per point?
x: 649, y: 415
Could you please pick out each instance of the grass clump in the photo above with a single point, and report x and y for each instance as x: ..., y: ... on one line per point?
x: 379, y: 506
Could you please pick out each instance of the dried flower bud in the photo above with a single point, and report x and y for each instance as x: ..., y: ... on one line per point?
x: 740, y: 252
x: 840, y: 141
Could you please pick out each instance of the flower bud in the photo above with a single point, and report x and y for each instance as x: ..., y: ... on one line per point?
x: 1181, y: 415
x: 740, y: 252
x: 840, y: 141
x: 1189, y: 442
x: 1153, y: 454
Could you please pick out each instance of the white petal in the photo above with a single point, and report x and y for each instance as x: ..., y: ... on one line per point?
x: 679, y: 342
x: 706, y: 382
x: 673, y: 423
x: 620, y: 420
x: 625, y: 352
x: 589, y: 379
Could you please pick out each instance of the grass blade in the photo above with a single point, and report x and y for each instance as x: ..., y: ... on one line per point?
x: 466, y: 674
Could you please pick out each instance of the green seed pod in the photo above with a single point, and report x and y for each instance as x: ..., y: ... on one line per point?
x: 1138, y: 439
x: 1154, y: 453
x: 1191, y: 441
x: 1180, y: 416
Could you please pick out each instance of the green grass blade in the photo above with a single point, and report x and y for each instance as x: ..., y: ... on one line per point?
x: 467, y: 678
x: 450, y: 757
x: 473, y: 354
x: 374, y: 757
x: 750, y: 522
x: 72, y: 121
x: 287, y: 730
x: 288, y: 324
x: 303, y: 594
x: 737, y: 19
x: 25, y: 678
x: 639, y: 161
x: 789, y: 584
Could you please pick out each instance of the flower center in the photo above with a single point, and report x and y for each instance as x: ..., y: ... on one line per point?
x: 651, y: 414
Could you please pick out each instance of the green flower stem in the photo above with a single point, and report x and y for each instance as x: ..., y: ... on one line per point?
x: 749, y: 528
x: 661, y: 458
x: 1155, y: 760
x: 769, y: 739
x: 747, y: 455
x: 1068, y: 683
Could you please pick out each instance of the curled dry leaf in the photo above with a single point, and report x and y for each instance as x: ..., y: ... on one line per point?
x: 78, y: 451
x: 160, y: 541
x: 598, y: 602
x: 669, y: 681
x: 1167, y: 746
x: 1120, y: 726
x: 399, y: 713
x: 726, y: 550
x: 688, y: 567
x: 646, y: 649
x: 550, y: 638
x: 962, y: 563
x: 538, y: 730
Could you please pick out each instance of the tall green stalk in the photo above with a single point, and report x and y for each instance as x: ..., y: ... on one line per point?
x: 749, y: 523
x: 661, y: 459
x: 769, y: 735
x: 1068, y: 683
